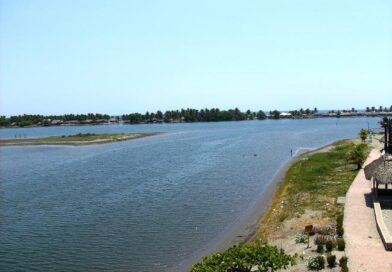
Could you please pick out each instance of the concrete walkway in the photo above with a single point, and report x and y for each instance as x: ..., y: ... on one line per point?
x: 364, y: 247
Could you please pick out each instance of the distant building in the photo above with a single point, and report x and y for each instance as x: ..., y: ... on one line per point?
x: 284, y: 115
x: 56, y: 122
x: 113, y: 120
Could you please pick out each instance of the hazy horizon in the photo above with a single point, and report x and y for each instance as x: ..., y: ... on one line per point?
x: 120, y: 57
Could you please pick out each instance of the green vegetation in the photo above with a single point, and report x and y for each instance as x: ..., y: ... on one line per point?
x: 261, y: 115
x: 316, y: 263
x: 176, y: 116
x: 275, y: 114
x: 301, y: 238
x: 86, y: 138
x: 363, y: 134
x: 302, y: 112
x: 339, y: 225
x: 320, y: 248
x: 193, y: 115
x: 358, y: 154
x: 329, y: 245
x: 31, y: 119
x: 380, y: 109
x: 326, y: 239
x: 313, y: 183
x: 309, y: 192
x: 323, y: 173
x: 331, y: 260
x: 385, y: 121
x: 183, y: 115
x: 343, y: 264
x: 94, y: 137
x: 341, y: 244
x: 244, y: 258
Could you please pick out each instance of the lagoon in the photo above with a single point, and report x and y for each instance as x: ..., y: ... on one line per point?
x: 151, y: 204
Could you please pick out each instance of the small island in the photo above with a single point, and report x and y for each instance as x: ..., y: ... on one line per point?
x: 76, y: 139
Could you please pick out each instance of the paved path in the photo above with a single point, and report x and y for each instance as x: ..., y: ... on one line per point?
x: 364, y: 247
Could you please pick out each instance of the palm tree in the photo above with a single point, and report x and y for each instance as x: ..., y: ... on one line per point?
x: 357, y: 155
x: 384, y: 122
x: 363, y: 134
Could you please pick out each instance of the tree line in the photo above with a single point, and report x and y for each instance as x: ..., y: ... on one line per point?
x: 193, y: 115
x: 47, y: 120
x: 171, y: 116
x: 380, y: 109
x: 183, y: 115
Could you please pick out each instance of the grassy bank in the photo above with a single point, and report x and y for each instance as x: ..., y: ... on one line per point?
x: 309, y: 191
x: 306, y: 196
x: 77, y: 139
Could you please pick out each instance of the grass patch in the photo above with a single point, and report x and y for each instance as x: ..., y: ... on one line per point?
x: 283, y: 216
x: 92, y: 137
x: 77, y: 139
x: 313, y: 183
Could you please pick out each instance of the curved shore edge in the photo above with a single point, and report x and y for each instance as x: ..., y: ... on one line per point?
x: 41, y: 141
x: 245, y: 231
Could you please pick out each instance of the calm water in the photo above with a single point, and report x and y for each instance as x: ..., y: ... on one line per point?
x: 143, y: 205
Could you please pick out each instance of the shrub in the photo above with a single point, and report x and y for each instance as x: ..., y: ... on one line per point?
x: 339, y: 220
x: 340, y: 231
x: 329, y: 245
x: 343, y: 261
x: 322, y: 239
x: 363, y: 134
x: 343, y: 264
x: 283, y: 216
x: 301, y: 238
x: 344, y: 269
x: 318, y: 240
x: 331, y: 260
x: 357, y: 155
x: 243, y: 257
x: 339, y: 225
x: 328, y: 230
x: 316, y: 263
x: 320, y: 248
x: 341, y: 244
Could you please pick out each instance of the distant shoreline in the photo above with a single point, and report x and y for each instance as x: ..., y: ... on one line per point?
x: 76, y: 140
x: 282, y: 116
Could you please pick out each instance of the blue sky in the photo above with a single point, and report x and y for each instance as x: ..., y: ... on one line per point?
x: 132, y: 56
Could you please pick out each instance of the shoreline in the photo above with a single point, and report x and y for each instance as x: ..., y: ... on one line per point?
x: 44, y: 140
x: 343, y: 116
x: 246, y: 229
